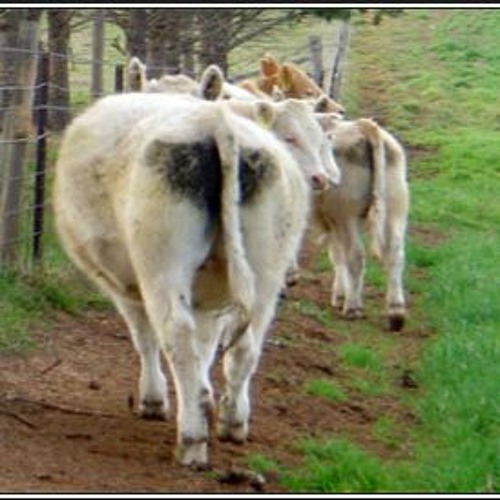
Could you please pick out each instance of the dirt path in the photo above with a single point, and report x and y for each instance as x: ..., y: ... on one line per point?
x: 68, y: 422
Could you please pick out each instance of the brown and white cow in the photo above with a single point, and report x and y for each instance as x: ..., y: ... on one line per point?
x: 373, y: 191
x: 187, y: 216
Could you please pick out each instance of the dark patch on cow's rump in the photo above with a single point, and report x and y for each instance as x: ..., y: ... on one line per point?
x: 193, y: 170
x: 358, y: 153
x: 255, y: 171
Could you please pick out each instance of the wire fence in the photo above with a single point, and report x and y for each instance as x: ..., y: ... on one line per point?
x: 27, y: 237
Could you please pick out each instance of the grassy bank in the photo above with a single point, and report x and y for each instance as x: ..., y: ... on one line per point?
x: 432, y: 78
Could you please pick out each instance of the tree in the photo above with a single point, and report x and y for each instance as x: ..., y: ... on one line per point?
x: 17, y: 124
x: 377, y: 15
x: 187, y: 40
x: 215, y: 28
x: 59, y: 33
x: 9, y: 24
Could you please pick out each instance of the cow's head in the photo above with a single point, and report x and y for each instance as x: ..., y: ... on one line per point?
x: 295, y: 83
x: 294, y: 123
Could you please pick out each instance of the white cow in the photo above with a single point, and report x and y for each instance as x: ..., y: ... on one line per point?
x: 373, y: 190
x: 188, y: 216
x: 209, y: 87
x: 290, y: 115
x: 212, y: 84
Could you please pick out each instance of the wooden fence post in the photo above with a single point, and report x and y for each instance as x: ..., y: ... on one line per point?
x: 16, y: 131
x: 41, y: 99
x: 97, y: 54
x: 316, y: 51
x: 339, y: 60
x: 119, y: 78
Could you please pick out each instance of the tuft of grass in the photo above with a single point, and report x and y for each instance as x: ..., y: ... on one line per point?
x: 262, y: 464
x: 385, y: 430
x: 336, y: 466
x: 29, y: 301
x: 325, y: 389
x: 368, y: 387
x: 312, y: 310
x: 359, y: 356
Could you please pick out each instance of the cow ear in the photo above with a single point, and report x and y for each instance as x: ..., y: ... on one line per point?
x: 285, y: 78
x: 211, y: 83
x: 321, y: 105
x: 264, y: 113
x: 136, y: 75
x: 268, y: 65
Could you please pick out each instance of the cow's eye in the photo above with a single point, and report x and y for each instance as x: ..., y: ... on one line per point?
x: 290, y: 139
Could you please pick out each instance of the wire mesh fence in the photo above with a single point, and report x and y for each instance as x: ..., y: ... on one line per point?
x: 28, y: 152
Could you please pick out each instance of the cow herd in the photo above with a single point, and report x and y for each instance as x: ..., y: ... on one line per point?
x: 187, y: 202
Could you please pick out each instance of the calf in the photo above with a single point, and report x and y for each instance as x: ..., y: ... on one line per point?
x: 187, y: 216
x: 373, y: 189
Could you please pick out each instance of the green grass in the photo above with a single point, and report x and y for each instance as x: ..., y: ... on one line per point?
x: 440, y: 71
x: 29, y: 301
x: 313, y: 310
x: 336, y: 466
x: 357, y: 355
x: 325, y: 389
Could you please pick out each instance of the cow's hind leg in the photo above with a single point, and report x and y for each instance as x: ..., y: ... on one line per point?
x: 153, y: 395
x: 168, y: 299
x: 166, y: 271
x: 339, y: 283
x: 355, y: 267
x: 105, y: 260
x: 240, y: 362
x: 394, y: 266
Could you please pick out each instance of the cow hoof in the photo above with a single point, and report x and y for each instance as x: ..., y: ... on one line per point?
x: 396, y: 322
x: 153, y: 410
x: 292, y: 278
x: 236, y: 433
x: 354, y: 313
x: 338, y: 302
x: 192, y: 454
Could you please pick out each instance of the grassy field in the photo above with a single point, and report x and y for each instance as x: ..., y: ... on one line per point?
x: 432, y: 78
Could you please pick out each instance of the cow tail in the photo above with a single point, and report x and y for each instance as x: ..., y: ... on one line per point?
x: 240, y: 275
x: 377, y: 211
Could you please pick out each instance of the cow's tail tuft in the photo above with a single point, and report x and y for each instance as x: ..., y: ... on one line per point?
x: 240, y: 275
x: 377, y: 212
